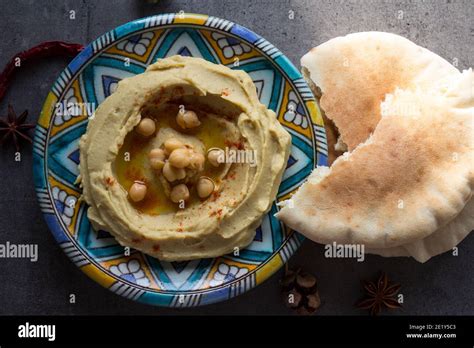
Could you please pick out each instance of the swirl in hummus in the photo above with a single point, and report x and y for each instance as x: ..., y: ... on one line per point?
x: 138, y: 200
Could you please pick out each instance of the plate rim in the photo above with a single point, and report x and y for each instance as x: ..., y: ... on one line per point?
x: 104, y: 41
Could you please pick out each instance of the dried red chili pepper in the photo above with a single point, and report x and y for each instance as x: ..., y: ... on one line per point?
x: 45, y: 49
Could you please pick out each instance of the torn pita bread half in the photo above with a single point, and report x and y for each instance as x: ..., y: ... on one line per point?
x: 362, y: 68
x: 442, y: 240
x: 410, y: 178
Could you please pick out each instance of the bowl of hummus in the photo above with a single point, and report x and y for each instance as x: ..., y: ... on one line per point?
x: 162, y: 151
x: 182, y: 162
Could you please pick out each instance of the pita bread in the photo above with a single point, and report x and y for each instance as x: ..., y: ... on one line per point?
x: 410, y: 178
x: 355, y: 72
x: 442, y: 240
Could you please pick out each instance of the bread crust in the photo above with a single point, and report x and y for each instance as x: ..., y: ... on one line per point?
x: 410, y: 178
x: 355, y: 72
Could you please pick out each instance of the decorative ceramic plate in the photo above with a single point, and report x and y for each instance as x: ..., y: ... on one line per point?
x: 91, y: 77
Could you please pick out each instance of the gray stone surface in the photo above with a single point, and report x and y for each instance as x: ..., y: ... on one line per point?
x: 442, y: 286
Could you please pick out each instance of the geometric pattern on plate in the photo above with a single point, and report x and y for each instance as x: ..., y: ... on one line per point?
x: 91, y: 77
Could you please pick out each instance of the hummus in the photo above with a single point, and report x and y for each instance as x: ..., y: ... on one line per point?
x: 113, y: 156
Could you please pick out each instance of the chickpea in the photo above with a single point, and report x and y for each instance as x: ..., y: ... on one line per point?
x: 188, y: 119
x: 172, y: 144
x: 214, y: 155
x: 205, y: 186
x: 137, y: 191
x: 179, y: 193
x: 157, y: 164
x: 180, y: 158
x: 197, y: 161
x: 146, y: 127
x: 172, y: 174
x: 157, y: 153
x: 157, y: 158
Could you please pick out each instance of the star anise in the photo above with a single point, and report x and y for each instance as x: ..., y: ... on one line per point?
x: 14, y: 128
x: 380, y: 294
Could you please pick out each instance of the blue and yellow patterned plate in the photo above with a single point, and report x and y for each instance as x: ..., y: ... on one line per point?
x: 91, y: 77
